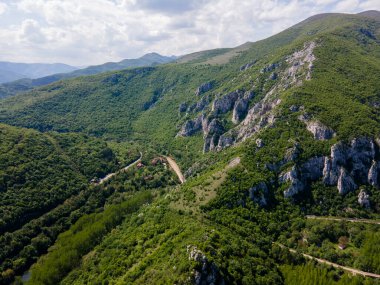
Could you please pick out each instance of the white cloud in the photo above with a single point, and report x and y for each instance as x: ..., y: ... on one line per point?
x: 347, y: 5
x: 95, y: 31
x: 3, y: 7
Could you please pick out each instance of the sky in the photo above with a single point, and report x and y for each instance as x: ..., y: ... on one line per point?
x: 86, y: 32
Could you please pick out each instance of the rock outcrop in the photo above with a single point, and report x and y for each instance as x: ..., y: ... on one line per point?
x: 225, y: 103
x: 248, y: 65
x: 207, y: 273
x: 259, y: 194
x: 270, y: 67
x: 260, y: 115
x: 240, y: 110
x: 203, y: 88
x: 373, y: 174
x: 347, y: 167
x: 345, y: 182
x: 363, y: 199
x: 192, y: 126
x: 301, y: 176
x: 319, y: 130
x: 182, y: 107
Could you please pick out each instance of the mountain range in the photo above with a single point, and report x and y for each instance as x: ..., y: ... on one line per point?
x: 10, y: 71
x: 258, y: 164
x: 23, y: 83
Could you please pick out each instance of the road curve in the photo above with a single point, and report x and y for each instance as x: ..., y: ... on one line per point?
x: 354, y: 271
x: 367, y: 221
x: 109, y: 176
x: 176, y: 169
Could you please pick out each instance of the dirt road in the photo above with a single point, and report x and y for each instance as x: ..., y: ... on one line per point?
x: 367, y: 221
x: 109, y: 176
x: 324, y: 261
x: 176, y: 169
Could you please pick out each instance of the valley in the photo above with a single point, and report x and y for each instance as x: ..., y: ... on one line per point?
x: 258, y: 164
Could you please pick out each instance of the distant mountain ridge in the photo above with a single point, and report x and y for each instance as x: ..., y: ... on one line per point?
x: 10, y: 71
x: 21, y: 84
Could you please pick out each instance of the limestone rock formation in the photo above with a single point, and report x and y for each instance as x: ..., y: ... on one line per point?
x: 208, y: 274
x: 248, y: 65
x: 192, y: 126
x: 373, y: 174
x: 225, y: 103
x: 270, y: 67
x: 347, y: 167
x: 363, y: 199
x: 345, y: 182
x: 240, y: 110
x: 319, y: 130
x: 203, y: 88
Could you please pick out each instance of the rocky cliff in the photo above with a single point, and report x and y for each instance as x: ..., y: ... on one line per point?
x: 248, y: 120
x: 348, y: 166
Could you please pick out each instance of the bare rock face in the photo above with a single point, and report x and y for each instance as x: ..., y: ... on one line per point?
x: 296, y: 185
x: 203, y: 88
x: 358, y: 157
x: 363, y: 199
x: 212, y: 133
x: 225, y: 141
x: 300, y: 177
x: 240, y: 110
x: 209, y: 273
x: 273, y: 76
x: 225, y: 103
x: 259, y: 194
x: 248, y: 65
x: 338, y: 158
x: 345, y: 182
x: 259, y: 143
x: 270, y: 67
x: 319, y: 130
x: 201, y: 104
x: 347, y: 167
x: 292, y: 153
x: 192, y: 126
x: 215, y: 127
x: 373, y: 174
x: 361, y: 155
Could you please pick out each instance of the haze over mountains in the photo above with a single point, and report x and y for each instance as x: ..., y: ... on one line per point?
x: 27, y: 76
x: 10, y: 71
x: 278, y: 178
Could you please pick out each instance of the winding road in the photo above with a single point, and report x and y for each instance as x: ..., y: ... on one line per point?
x: 367, y: 221
x: 109, y: 176
x: 176, y: 169
x: 354, y: 271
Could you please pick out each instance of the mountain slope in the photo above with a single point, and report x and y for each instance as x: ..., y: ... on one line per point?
x: 150, y: 59
x: 30, y: 70
x: 266, y: 134
x: 123, y: 104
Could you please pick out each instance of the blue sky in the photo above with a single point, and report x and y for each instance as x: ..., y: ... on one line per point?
x: 84, y: 32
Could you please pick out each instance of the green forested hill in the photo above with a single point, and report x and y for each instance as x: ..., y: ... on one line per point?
x: 25, y: 84
x: 265, y: 133
x: 38, y: 172
x: 143, y: 103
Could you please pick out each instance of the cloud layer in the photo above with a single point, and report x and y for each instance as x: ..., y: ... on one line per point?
x: 95, y: 31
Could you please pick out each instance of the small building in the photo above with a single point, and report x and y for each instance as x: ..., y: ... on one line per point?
x: 140, y: 165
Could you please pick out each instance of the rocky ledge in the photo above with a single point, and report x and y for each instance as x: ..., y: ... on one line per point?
x: 206, y: 273
x: 348, y: 166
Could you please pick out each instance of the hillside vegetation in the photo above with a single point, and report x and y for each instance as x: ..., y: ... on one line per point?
x: 265, y: 134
